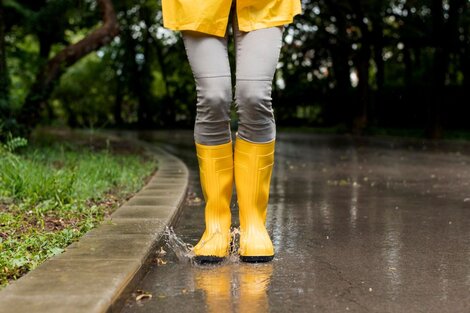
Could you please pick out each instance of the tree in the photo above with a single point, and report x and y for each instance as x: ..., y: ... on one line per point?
x: 4, y: 79
x: 49, y: 73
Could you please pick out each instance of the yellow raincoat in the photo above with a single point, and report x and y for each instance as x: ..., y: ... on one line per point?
x: 211, y: 16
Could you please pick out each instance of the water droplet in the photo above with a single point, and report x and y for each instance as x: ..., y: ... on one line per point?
x: 184, y: 251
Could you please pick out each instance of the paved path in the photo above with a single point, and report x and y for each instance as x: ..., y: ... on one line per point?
x: 358, y: 226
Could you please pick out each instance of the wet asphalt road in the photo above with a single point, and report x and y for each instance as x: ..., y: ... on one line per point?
x: 359, y: 225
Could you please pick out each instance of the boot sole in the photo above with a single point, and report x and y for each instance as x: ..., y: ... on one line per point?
x: 208, y: 259
x: 256, y: 259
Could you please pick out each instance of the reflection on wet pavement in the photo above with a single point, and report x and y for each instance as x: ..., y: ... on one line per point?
x: 358, y: 225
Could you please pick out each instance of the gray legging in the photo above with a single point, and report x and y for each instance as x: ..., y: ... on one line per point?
x: 257, y: 54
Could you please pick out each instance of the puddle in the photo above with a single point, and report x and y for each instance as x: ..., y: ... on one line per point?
x: 184, y: 251
x: 339, y: 247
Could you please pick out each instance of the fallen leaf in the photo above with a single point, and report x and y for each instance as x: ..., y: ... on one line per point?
x: 143, y: 296
x: 161, y: 252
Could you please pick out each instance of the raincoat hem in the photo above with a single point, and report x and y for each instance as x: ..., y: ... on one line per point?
x: 260, y: 25
x: 244, y: 27
x: 211, y: 30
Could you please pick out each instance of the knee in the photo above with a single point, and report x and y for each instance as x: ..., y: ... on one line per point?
x: 213, y: 102
x: 255, y: 113
x: 253, y: 101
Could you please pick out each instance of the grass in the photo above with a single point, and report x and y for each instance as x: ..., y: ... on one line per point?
x: 53, y: 193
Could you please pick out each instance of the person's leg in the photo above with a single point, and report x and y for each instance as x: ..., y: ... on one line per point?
x: 209, y: 63
x: 208, y: 58
x: 257, y: 54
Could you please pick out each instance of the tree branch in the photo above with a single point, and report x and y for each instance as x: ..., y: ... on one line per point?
x: 93, y: 41
x: 55, y: 67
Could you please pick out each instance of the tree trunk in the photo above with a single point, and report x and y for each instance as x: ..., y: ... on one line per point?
x: 45, y: 45
x: 339, y: 111
x: 4, y: 79
x: 55, y: 67
x: 465, y: 59
x: 446, y: 40
x: 361, y: 111
x: 117, y: 109
x: 434, y: 126
x: 143, y: 88
x: 408, y: 65
x: 161, y: 62
x: 379, y: 61
x: 362, y: 60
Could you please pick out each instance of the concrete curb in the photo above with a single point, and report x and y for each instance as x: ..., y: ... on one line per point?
x: 93, y: 272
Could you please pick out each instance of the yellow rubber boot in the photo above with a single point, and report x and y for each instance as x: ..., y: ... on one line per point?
x: 216, y: 284
x: 216, y: 175
x: 254, y: 281
x: 253, y: 168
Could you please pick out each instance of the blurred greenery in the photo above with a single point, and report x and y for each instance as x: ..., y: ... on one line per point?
x: 355, y: 65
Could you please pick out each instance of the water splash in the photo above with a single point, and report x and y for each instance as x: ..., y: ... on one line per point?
x: 184, y: 251
x: 234, y: 244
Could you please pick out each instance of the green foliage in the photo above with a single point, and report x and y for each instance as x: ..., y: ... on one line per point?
x: 12, y: 144
x: 36, y: 30
x: 62, y: 184
x: 80, y: 103
x: 143, y: 79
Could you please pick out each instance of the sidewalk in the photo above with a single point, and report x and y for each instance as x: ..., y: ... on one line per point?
x: 93, y: 272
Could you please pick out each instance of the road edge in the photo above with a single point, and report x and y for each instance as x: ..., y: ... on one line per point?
x: 92, y: 273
